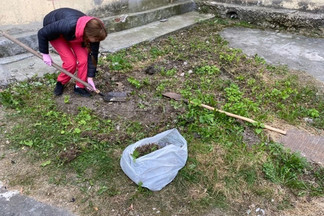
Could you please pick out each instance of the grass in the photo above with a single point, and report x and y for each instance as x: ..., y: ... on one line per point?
x: 222, y: 170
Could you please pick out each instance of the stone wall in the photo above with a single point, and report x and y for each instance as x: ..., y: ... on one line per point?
x: 267, y: 15
x: 315, y: 6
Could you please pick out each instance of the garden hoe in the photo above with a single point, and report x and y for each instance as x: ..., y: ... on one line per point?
x: 109, y: 97
x: 177, y: 97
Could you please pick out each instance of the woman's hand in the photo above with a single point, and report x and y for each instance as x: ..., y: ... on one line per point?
x: 90, y: 81
x: 47, y: 59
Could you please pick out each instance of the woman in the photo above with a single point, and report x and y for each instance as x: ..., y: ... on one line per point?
x: 76, y: 38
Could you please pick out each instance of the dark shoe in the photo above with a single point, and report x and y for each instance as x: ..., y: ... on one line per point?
x: 58, y: 89
x: 82, y: 92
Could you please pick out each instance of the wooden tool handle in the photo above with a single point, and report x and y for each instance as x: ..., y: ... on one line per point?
x: 242, y: 118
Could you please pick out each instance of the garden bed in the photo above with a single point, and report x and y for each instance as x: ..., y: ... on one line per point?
x: 72, y: 146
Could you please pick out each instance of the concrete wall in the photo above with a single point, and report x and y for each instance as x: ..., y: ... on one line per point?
x: 15, y: 12
x: 302, y: 5
x: 20, y: 12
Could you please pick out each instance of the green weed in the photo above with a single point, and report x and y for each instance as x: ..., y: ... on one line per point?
x: 231, y: 56
x: 118, y: 62
x: 259, y: 60
x: 208, y: 70
x: 156, y: 52
x: 134, y: 82
x: 236, y: 103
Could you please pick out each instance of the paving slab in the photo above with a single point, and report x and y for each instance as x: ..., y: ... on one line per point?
x: 14, y: 204
x: 308, y: 145
x: 296, y: 51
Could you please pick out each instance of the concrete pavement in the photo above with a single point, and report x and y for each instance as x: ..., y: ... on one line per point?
x: 296, y: 51
x: 14, y: 204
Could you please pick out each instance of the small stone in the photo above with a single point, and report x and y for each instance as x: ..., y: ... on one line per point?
x: 259, y: 210
x: 197, y: 135
x: 190, y: 72
x: 150, y: 70
x: 308, y: 120
x: 106, y: 76
x: 182, y: 74
x: 31, y: 66
x: 114, y: 78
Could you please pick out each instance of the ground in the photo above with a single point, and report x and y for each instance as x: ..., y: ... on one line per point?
x: 220, y: 178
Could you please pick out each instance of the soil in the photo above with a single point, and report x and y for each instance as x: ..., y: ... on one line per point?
x: 152, y: 114
x: 70, y: 154
x: 146, y: 149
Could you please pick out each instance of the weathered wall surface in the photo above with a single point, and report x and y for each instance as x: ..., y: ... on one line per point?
x: 20, y: 12
x: 15, y: 12
x: 302, y: 5
x: 276, y: 14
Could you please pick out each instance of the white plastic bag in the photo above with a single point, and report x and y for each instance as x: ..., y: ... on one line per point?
x: 158, y: 168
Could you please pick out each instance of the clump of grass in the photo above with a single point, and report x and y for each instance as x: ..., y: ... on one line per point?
x: 118, y: 61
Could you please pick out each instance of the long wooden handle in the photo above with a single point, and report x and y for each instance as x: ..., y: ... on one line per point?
x: 41, y: 57
x: 242, y: 118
